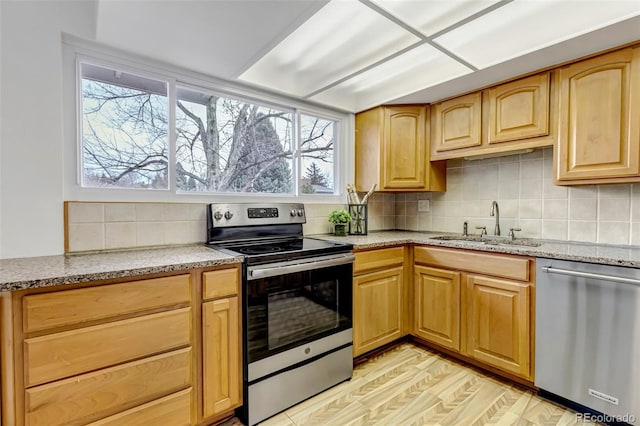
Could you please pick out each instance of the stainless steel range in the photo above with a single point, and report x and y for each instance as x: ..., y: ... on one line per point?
x: 297, y: 304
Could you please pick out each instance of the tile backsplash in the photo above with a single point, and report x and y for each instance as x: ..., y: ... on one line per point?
x: 521, y: 184
x: 523, y: 187
x: 105, y: 226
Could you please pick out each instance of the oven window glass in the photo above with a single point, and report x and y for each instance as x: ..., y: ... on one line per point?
x: 294, y: 315
x: 290, y: 310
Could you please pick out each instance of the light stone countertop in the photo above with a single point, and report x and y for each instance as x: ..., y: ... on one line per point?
x: 563, y: 250
x: 33, y: 272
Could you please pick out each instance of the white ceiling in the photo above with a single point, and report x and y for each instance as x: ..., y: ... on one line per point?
x: 353, y: 55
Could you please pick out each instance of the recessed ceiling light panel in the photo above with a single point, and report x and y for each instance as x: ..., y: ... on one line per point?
x: 417, y: 69
x: 524, y: 26
x: 431, y: 16
x: 340, y: 39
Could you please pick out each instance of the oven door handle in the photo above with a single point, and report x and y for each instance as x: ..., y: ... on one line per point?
x: 283, y: 268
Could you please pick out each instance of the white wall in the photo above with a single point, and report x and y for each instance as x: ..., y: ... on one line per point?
x: 31, y: 144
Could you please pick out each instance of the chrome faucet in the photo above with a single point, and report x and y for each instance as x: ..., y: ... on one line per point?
x: 495, y: 211
x: 465, y: 229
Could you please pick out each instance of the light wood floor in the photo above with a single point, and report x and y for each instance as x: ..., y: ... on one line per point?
x: 409, y: 385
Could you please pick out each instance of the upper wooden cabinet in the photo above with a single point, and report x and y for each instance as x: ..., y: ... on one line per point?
x: 503, y: 118
x: 518, y: 110
x: 392, y: 151
x: 599, y: 132
x: 457, y: 123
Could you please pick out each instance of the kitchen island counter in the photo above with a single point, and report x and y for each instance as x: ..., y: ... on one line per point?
x: 553, y: 249
x: 45, y: 271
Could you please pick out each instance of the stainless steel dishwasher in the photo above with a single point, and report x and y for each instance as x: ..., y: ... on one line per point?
x: 588, y: 335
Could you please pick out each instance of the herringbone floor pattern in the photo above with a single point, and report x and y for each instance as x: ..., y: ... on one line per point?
x: 409, y: 385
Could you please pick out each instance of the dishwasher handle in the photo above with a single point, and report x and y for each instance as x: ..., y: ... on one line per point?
x: 591, y: 275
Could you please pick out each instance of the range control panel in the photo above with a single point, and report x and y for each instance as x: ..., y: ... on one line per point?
x: 241, y: 214
x: 258, y: 213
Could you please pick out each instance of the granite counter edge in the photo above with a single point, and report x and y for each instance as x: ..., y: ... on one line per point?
x: 115, y: 274
x: 382, y: 242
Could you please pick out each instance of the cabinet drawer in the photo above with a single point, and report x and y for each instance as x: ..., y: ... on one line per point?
x: 65, y: 354
x: 378, y: 259
x: 498, y: 265
x: 69, y: 307
x: 96, y: 395
x: 221, y: 283
x: 170, y: 410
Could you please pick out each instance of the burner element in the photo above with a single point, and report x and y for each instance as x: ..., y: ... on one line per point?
x: 263, y: 249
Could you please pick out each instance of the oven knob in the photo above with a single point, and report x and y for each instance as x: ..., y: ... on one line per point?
x: 300, y: 212
x: 292, y: 213
x: 217, y: 215
x: 228, y: 215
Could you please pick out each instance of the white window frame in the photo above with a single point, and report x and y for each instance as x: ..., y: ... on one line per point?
x: 76, y: 51
x: 337, y: 154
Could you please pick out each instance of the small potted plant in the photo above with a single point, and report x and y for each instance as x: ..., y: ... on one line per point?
x: 340, y: 219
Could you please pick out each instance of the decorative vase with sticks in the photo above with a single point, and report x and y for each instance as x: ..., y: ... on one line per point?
x: 358, y: 210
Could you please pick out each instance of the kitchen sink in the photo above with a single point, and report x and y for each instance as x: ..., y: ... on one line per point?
x: 498, y: 241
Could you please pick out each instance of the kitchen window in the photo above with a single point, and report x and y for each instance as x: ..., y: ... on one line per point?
x: 124, y: 130
x: 144, y: 133
x: 232, y: 145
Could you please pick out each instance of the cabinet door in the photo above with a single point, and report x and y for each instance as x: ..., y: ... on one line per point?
x: 457, y: 123
x: 404, y: 156
x: 437, y: 312
x: 221, y: 356
x: 377, y: 310
x: 519, y: 110
x: 498, y: 323
x: 599, y: 134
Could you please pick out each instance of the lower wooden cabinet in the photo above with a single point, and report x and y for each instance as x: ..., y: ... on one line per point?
x: 437, y: 306
x: 174, y: 410
x: 377, y: 309
x: 461, y: 307
x: 222, y: 369
x: 123, y: 352
x: 499, y: 323
x: 95, y: 395
x: 378, y: 298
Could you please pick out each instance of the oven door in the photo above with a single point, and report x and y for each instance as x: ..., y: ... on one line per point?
x: 296, y: 302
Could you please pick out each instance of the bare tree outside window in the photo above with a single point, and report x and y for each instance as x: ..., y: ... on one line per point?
x: 223, y: 144
x: 316, y: 148
x: 228, y: 145
x: 124, y: 130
